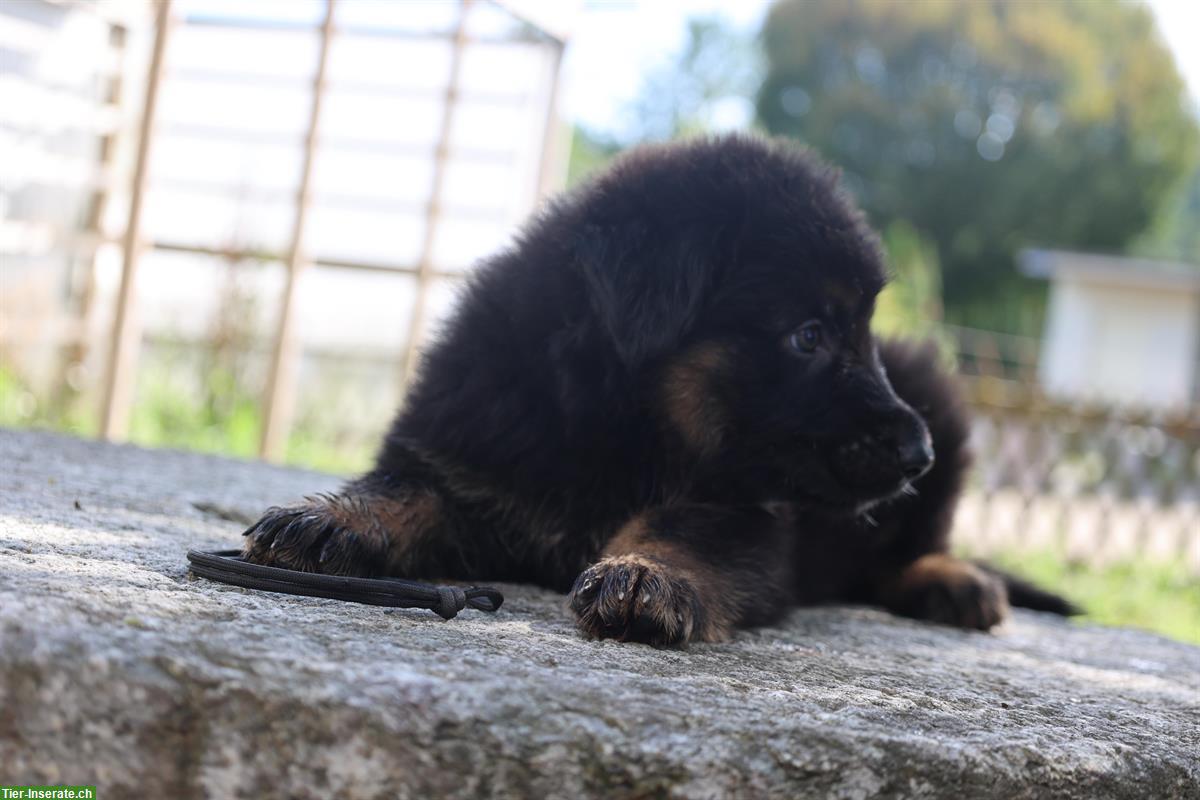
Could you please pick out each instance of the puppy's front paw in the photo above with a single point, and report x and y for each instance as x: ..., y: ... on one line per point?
x: 637, y: 599
x: 944, y: 589
x: 314, y: 537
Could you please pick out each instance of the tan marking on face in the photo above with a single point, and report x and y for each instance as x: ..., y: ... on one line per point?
x: 846, y: 297
x: 690, y: 398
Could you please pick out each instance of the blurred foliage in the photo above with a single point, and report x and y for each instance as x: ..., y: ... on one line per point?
x: 216, y: 415
x: 911, y: 303
x: 1176, y: 233
x: 708, y: 87
x: 590, y: 151
x: 202, y: 407
x: 212, y: 407
x: 987, y: 125
x: 23, y: 406
x: 1155, y: 596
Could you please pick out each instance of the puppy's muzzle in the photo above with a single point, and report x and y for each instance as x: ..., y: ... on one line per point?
x: 897, y: 452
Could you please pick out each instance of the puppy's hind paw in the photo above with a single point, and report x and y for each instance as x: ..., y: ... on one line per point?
x: 940, y: 588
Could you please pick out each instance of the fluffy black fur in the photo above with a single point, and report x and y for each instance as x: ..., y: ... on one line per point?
x: 666, y: 398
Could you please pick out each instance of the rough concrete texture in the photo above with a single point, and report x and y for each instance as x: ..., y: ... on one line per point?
x: 118, y: 669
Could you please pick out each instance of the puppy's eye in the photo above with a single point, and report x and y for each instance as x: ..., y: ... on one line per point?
x: 806, y: 338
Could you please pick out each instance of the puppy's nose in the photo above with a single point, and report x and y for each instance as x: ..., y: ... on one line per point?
x: 916, y: 457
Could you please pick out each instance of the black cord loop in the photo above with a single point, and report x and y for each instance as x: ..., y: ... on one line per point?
x: 228, y: 566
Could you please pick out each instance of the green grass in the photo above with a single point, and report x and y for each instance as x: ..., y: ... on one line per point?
x: 216, y: 415
x: 22, y: 407
x: 226, y: 419
x: 1159, y: 597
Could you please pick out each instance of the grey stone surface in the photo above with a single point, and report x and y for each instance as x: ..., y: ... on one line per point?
x: 118, y: 669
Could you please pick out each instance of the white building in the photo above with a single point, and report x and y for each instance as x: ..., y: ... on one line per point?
x: 1119, y: 330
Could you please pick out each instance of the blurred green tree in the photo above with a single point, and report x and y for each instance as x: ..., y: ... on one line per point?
x: 911, y: 303
x: 987, y: 125
x: 707, y: 86
x: 590, y: 151
x: 1176, y: 233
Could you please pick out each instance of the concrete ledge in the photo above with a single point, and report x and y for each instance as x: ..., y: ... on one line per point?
x: 118, y: 669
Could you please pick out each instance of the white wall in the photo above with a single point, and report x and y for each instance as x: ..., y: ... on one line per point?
x: 1123, y: 344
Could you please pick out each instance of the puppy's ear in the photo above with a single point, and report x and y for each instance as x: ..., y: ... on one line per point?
x: 647, y: 289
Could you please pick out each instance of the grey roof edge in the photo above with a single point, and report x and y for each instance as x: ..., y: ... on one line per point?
x: 1109, y: 269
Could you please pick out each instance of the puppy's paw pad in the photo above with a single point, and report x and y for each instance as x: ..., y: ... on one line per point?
x: 633, y: 598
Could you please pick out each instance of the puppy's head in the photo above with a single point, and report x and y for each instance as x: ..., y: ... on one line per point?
x: 736, y: 272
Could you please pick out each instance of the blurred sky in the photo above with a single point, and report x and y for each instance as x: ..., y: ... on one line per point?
x: 616, y: 42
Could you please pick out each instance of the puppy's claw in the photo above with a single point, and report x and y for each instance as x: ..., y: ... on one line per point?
x: 311, y: 539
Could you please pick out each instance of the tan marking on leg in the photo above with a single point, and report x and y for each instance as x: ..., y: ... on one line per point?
x: 635, y: 544
x: 937, y: 568
x: 403, y: 523
x: 976, y: 599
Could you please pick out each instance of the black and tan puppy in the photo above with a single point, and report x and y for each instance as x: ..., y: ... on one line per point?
x: 665, y: 397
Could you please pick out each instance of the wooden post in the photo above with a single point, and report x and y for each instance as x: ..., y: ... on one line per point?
x: 126, y: 336
x: 433, y: 210
x: 556, y: 145
x: 79, y: 349
x: 280, y: 400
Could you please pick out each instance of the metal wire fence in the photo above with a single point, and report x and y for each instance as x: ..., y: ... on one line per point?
x: 1100, y: 485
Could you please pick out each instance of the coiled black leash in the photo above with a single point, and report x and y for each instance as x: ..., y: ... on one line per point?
x: 228, y: 566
